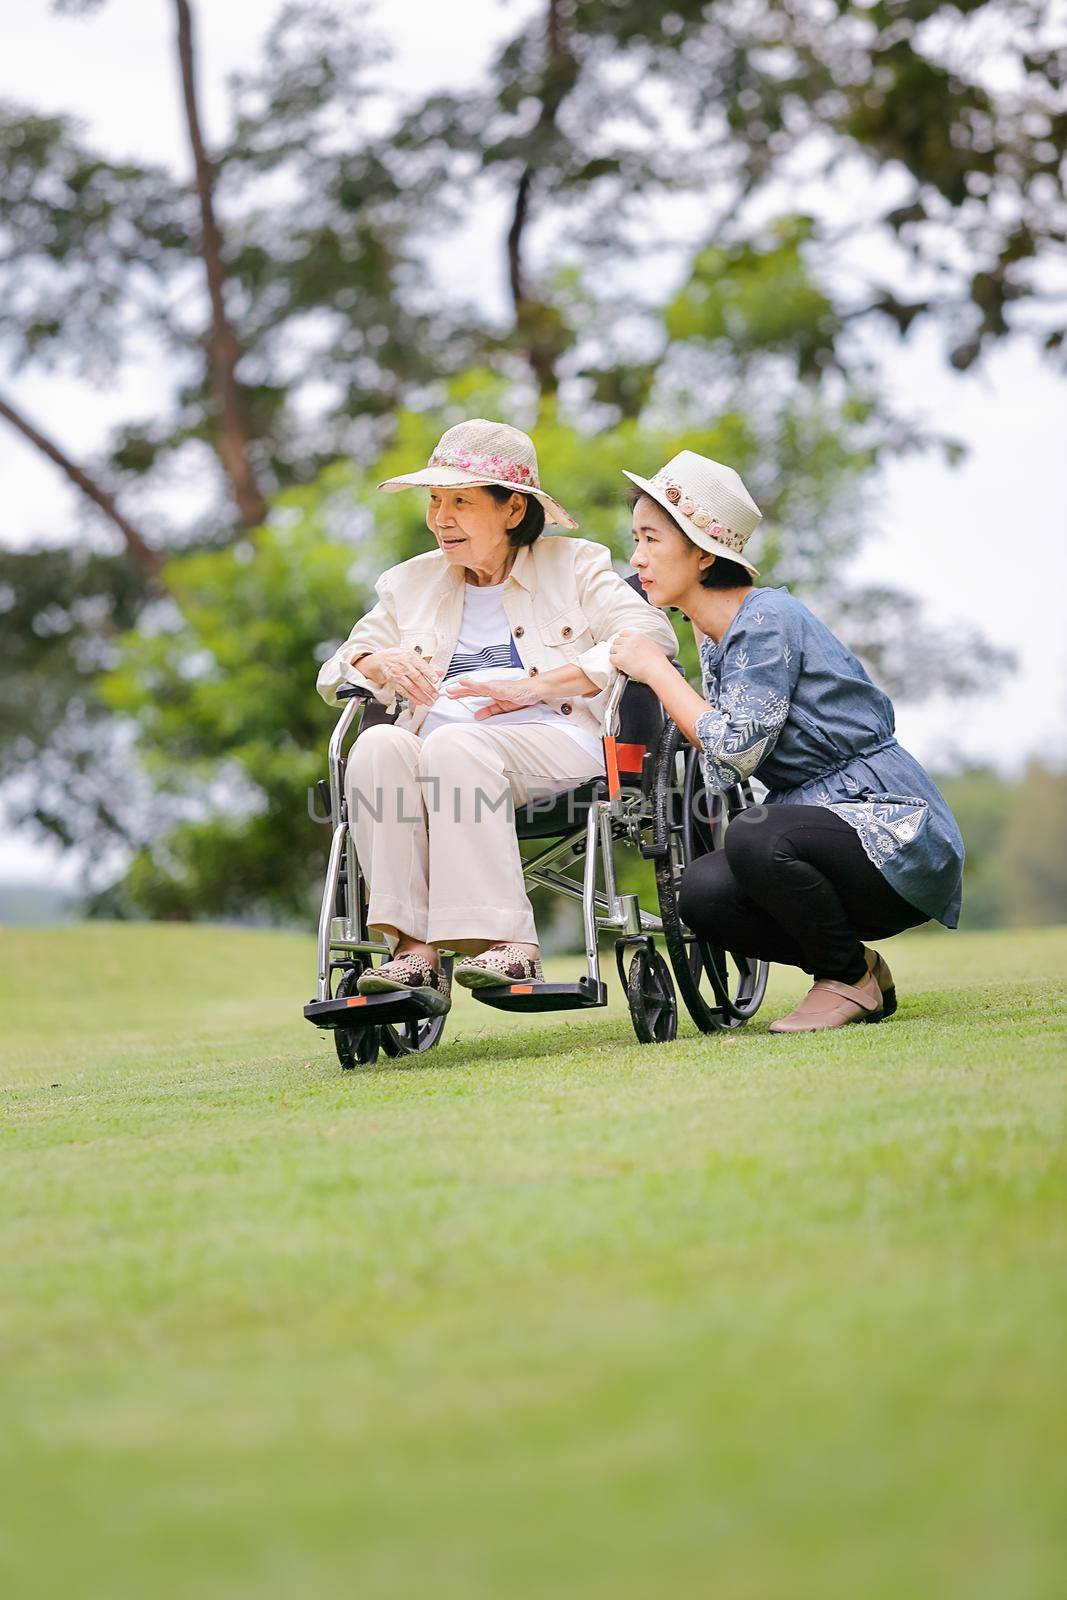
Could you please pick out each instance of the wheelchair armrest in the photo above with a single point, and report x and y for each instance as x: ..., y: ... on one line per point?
x: 353, y: 691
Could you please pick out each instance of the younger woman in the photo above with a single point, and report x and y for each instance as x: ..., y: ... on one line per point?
x: 854, y: 841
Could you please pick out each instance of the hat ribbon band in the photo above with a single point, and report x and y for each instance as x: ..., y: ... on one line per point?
x: 486, y: 466
x: 698, y: 515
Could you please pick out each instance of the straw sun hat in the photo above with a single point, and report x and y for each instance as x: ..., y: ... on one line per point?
x: 481, y: 452
x: 708, y: 502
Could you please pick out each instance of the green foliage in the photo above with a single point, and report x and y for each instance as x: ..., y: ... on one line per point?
x: 758, y: 299
x: 1016, y: 837
x: 65, y: 766
x: 231, y: 728
x: 736, y: 104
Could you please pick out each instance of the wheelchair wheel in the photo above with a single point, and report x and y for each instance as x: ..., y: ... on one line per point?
x: 356, y: 1047
x: 719, y: 989
x: 412, y: 1038
x: 650, y: 996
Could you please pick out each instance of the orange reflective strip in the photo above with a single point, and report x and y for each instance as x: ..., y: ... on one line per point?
x: 357, y: 1000
x: 522, y: 988
x: 631, y: 757
x: 611, y: 765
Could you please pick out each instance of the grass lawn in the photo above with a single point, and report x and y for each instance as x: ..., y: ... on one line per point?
x: 544, y: 1313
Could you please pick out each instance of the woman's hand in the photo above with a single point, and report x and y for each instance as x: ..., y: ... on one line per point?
x: 402, y: 670
x: 635, y: 654
x: 503, y: 694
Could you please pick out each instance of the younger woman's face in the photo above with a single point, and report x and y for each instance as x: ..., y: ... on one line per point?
x: 668, y: 564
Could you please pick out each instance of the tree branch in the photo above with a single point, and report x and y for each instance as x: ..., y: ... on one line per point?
x: 529, y: 314
x: 515, y: 233
x: 150, y: 561
x: 224, y: 352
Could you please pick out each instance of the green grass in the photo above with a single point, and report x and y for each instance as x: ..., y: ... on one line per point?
x: 545, y: 1313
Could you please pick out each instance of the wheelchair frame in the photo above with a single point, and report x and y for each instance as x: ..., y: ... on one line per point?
x: 627, y: 804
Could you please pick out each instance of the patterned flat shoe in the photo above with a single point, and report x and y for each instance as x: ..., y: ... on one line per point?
x: 503, y: 963
x: 882, y: 976
x: 404, y: 972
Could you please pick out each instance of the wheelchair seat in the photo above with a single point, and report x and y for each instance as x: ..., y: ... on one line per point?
x: 567, y: 813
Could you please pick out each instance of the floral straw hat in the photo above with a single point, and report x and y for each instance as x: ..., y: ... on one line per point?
x: 481, y: 452
x: 708, y: 501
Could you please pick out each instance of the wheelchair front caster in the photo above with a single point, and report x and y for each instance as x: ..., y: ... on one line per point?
x: 650, y: 996
x: 356, y: 1047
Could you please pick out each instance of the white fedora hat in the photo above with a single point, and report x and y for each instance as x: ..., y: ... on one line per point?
x: 708, y: 501
x: 480, y: 452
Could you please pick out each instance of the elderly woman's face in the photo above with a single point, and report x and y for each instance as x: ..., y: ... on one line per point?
x: 668, y: 564
x: 471, y: 527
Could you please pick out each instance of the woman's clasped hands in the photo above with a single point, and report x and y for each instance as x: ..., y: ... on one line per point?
x: 404, y: 671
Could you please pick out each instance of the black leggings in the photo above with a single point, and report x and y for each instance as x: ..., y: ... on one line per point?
x: 794, y: 885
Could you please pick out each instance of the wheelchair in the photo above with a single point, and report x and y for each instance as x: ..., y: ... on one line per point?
x: 652, y: 799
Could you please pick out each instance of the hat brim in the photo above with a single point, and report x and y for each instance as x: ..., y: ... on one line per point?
x: 455, y: 477
x: 697, y: 535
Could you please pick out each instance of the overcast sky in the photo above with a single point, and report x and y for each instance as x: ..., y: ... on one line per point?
x: 984, y: 543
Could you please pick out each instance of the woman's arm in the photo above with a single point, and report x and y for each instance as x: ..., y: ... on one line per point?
x: 612, y: 607
x: 758, y: 676
x: 639, y: 658
x: 511, y: 694
x: 377, y: 631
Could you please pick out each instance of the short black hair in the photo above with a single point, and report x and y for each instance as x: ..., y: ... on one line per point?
x: 723, y: 573
x: 533, y: 523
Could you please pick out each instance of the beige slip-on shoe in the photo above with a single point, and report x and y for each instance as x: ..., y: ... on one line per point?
x: 403, y: 972
x: 829, y: 1004
x: 879, y: 971
x: 501, y: 963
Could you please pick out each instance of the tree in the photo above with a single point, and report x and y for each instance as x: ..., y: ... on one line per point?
x: 962, y: 178
x: 102, y: 259
x: 231, y: 404
x: 291, y: 230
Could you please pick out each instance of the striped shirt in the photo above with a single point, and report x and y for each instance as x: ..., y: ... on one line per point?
x: 490, y: 658
x: 485, y: 650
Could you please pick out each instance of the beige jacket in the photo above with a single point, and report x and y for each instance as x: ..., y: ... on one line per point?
x: 563, y: 598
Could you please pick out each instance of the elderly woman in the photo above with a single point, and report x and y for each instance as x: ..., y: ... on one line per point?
x: 496, y: 622
x: 854, y: 841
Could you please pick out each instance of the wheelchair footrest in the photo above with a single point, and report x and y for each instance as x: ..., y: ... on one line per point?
x: 543, y: 996
x: 366, y: 1010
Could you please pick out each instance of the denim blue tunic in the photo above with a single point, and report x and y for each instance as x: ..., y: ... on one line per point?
x: 793, y: 707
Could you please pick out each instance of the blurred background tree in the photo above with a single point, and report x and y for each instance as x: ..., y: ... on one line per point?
x: 666, y: 290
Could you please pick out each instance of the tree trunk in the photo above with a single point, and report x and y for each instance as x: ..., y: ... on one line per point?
x: 533, y: 320
x: 150, y: 561
x: 224, y: 352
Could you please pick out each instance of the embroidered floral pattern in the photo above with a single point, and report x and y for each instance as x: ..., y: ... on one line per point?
x: 737, y: 733
x: 885, y: 823
x: 487, y: 466
x: 770, y: 716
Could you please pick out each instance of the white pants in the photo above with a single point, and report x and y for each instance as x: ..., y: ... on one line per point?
x: 433, y: 820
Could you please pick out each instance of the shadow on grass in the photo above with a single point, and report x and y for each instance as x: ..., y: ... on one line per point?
x: 523, y: 1044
